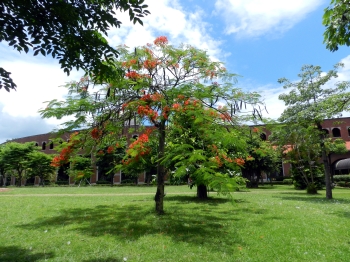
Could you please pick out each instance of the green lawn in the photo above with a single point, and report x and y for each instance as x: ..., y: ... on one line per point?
x: 119, y: 224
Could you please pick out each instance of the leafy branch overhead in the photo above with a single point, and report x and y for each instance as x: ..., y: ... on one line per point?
x: 71, y: 31
x: 336, y: 19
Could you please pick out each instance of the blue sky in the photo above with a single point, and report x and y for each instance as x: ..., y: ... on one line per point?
x: 261, y: 40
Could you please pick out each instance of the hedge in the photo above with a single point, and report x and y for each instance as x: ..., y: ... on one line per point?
x: 338, y: 178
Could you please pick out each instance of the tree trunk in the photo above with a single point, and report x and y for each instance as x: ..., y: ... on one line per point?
x: 19, y: 183
x: 202, y: 192
x: 159, y: 197
x: 327, y: 172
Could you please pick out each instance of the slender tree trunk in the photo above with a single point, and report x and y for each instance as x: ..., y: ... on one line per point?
x: 42, y: 180
x: 327, y: 174
x: 19, y: 183
x: 159, y: 197
x: 327, y: 171
x: 202, y: 192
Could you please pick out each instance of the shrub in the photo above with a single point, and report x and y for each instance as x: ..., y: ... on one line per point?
x: 344, y: 178
x: 61, y: 183
x: 288, y: 181
x: 103, y: 182
x: 272, y: 183
x: 311, y: 189
x: 343, y: 184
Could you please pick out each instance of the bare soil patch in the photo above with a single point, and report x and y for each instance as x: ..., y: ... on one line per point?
x: 3, y: 189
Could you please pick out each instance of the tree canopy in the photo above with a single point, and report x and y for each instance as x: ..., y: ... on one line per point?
x: 155, y: 84
x: 311, y: 100
x: 71, y: 31
x: 16, y: 156
x: 336, y: 18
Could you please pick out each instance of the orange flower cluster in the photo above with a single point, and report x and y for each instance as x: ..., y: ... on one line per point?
x: 177, y: 106
x: 239, y: 161
x: 211, y: 74
x: 133, y: 75
x: 156, y: 97
x: 166, y: 111
x: 63, y: 157
x: 150, y: 64
x: 225, y: 116
x: 96, y: 133
x: 129, y: 63
x: 147, y: 111
x: 218, y: 161
x: 138, y: 146
x: 110, y: 149
x: 161, y: 40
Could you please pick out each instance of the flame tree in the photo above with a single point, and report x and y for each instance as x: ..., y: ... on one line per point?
x: 153, y: 82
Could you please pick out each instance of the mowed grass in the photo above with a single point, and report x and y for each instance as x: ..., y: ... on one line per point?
x: 93, y: 224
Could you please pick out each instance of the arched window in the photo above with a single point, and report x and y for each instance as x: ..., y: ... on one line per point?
x: 325, y: 131
x: 336, y: 132
x: 36, y: 144
x: 348, y: 131
x: 43, y: 146
x: 51, y: 145
x: 135, y: 136
x: 263, y: 136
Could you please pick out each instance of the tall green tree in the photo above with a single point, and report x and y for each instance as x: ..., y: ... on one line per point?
x: 71, y: 31
x: 203, y: 149
x: 336, y: 19
x: 313, y: 99
x: 3, y: 166
x: 300, y: 147
x: 154, y: 81
x: 16, y: 156
x: 262, y: 156
x: 39, y: 164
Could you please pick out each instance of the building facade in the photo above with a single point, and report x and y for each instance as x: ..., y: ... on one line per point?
x: 336, y: 128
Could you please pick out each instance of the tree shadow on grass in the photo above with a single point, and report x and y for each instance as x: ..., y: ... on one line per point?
x: 183, y: 199
x: 18, y: 254
x: 108, y: 259
x: 200, y: 226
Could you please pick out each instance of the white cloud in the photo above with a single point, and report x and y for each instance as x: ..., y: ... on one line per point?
x: 38, y: 78
x: 274, y: 106
x: 36, y: 83
x: 252, y: 18
x: 167, y: 18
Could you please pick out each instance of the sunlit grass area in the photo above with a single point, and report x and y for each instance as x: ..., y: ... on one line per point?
x: 119, y: 224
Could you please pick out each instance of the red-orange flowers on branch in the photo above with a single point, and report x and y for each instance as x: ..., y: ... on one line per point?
x: 161, y: 41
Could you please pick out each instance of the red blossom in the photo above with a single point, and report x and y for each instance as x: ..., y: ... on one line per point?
x: 150, y: 64
x: 133, y: 75
x: 176, y: 106
x: 161, y: 41
x: 96, y: 133
x: 239, y: 161
x: 225, y: 116
x: 110, y: 149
